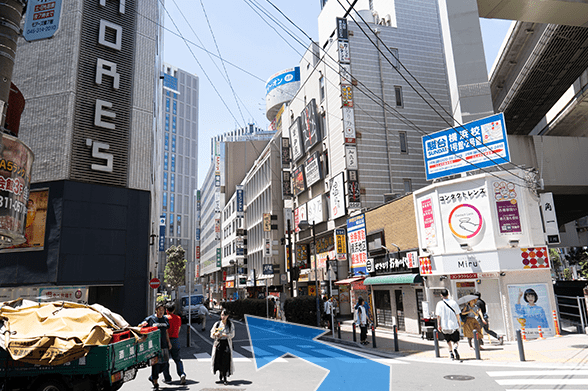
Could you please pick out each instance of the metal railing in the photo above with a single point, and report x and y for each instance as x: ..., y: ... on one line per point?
x: 573, y: 307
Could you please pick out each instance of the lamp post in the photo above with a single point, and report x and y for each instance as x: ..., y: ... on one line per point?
x: 304, y: 225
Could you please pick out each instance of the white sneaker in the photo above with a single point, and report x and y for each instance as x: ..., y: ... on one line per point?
x: 183, y: 379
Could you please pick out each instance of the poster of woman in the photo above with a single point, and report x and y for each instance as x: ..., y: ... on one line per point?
x: 530, y: 308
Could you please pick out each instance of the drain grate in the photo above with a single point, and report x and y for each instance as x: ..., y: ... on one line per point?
x: 458, y: 377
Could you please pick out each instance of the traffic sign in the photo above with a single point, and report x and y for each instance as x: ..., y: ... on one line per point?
x: 154, y: 283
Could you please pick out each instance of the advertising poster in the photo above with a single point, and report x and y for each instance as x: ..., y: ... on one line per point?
x: 296, y: 140
x: 357, y: 243
x: 530, y: 308
x: 298, y: 180
x: 315, y: 210
x: 312, y: 169
x: 299, y: 215
x: 429, y: 222
x: 507, y: 209
x: 311, y: 131
x: 35, y: 222
x: 337, y: 197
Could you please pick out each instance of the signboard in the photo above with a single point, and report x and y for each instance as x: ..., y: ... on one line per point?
x: 507, y: 208
x: 314, y: 209
x: 161, y: 233
x: 312, y: 169
x: 298, y: 180
x: 530, y: 306
x: 551, y: 228
x: 218, y: 257
x: 299, y: 215
x: 239, y: 197
x: 267, y: 222
x: 286, y: 76
x: 36, y: 218
x: 357, y: 243
x: 337, y: 194
x: 342, y: 28
x: 346, y: 95
x: 478, y: 144
x: 296, y: 140
x: 344, y: 55
x: 353, y: 192
x: 267, y: 247
x: 392, y: 264
x: 69, y: 293
x: 301, y: 256
x: 286, y: 184
x: 286, y: 152
x: 41, y: 19
x: 268, y: 269
x: 341, y: 244
x: 430, y: 231
x: 349, y: 125
x: 351, y: 157
x: 311, y: 131
x: 154, y: 283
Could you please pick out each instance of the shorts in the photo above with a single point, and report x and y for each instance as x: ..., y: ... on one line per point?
x: 451, y: 337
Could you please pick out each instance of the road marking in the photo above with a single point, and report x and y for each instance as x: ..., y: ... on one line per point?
x: 554, y: 372
x: 526, y: 381
x: 262, y: 352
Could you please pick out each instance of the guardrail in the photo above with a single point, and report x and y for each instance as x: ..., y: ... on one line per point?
x: 573, y: 307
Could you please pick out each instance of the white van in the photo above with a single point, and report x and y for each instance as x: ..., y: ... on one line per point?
x: 196, y: 301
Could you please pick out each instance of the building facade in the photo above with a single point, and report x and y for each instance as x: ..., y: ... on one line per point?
x: 89, y: 120
x: 179, y: 160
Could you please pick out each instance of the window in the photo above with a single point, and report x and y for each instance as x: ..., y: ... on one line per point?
x: 179, y: 225
x: 173, y: 182
x: 167, y: 122
x: 174, y: 124
x: 324, y: 125
x: 407, y: 186
x: 173, y: 163
x: 165, y: 160
x: 164, y: 206
x: 403, y: 144
x: 173, y: 142
x: 394, y: 57
x: 322, y: 88
x: 326, y: 162
x: 171, y: 225
x: 167, y: 93
x: 398, y: 93
x: 166, y: 142
x: 167, y: 105
x: 175, y: 108
x: 172, y: 198
x: 165, y: 181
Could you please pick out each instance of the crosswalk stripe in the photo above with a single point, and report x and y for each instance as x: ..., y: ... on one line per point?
x: 387, y: 361
x: 553, y: 372
x: 526, y: 381
x: 542, y: 389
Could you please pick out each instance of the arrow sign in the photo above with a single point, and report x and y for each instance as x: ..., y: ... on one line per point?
x: 271, y: 340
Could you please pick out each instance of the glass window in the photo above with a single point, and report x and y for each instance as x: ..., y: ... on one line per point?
x: 394, y: 57
x: 173, y: 163
x: 407, y: 186
x: 167, y: 122
x: 171, y: 225
x: 164, y: 201
x: 175, y: 107
x: 173, y: 142
x: 403, y: 144
x: 167, y: 105
x: 165, y: 181
x: 173, y: 182
x: 174, y: 124
x: 398, y: 93
x: 172, y: 198
x: 165, y: 160
x: 166, y: 142
x: 179, y: 225
x: 167, y: 93
x: 322, y: 87
x: 175, y: 95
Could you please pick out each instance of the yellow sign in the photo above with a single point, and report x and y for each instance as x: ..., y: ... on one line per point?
x: 267, y: 222
x: 311, y: 290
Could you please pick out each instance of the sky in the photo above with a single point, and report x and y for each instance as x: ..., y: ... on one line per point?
x: 253, y: 48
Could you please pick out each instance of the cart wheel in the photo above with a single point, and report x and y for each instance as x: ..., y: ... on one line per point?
x: 51, y: 385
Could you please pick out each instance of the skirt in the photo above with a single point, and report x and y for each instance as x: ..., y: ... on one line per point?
x: 222, y: 358
x: 469, y: 326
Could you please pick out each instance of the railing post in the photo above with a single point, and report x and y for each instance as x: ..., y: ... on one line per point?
x: 354, y: 333
x: 520, y: 344
x: 395, y: 338
x: 339, y: 330
x: 373, y: 337
x: 476, y: 345
x: 436, y: 339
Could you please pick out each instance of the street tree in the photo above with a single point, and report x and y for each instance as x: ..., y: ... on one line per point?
x: 175, y: 268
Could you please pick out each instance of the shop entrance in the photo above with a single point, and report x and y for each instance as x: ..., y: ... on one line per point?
x: 399, y: 310
x: 491, y: 296
x: 383, y: 308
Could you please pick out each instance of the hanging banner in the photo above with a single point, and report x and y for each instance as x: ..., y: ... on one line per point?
x: 161, y: 233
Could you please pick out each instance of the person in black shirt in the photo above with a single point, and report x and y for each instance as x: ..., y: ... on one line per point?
x: 160, y: 321
x: 482, y: 306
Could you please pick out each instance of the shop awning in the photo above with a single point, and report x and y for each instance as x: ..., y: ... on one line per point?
x: 394, y: 279
x: 348, y: 280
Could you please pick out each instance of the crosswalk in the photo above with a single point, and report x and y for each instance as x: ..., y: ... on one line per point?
x: 237, y: 357
x: 550, y: 379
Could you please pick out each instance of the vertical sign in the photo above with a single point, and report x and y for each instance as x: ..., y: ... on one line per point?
x: 286, y: 184
x: 161, y: 233
x: 357, y: 243
x: 353, y: 192
x: 218, y: 257
x: 429, y: 222
x: 267, y: 247
x: 551, y: 228
x: 507, y: 209
x: 342, y: 28
x: 311, y: 131
x: 349, y: 125
x: 297, y: 146
x: 350, y: 157
x: 341, y: 244
x: 239, y: 197
x: 337, y: 193
x: 285, y: 152
x: 267, y: 222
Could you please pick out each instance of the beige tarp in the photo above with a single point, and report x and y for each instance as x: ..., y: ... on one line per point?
x: 56, y: 332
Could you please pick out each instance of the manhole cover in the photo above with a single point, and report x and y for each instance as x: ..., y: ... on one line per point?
x: 459, y: 377
x: 579, y: 346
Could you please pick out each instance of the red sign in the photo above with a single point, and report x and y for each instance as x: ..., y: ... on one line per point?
x: 154, y: 283
x: 467, y: 276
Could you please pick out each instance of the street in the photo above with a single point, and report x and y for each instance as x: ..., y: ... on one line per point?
x: 293, y: 373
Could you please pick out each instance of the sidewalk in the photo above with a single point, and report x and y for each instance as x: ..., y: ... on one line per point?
x: 569, y: 349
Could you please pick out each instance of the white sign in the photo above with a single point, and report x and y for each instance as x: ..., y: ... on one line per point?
x: 351, y: 157
x: 349, y: 124
x: 337, y: 204
x: 315, y: 210
x: 344, y: 52
x: 549, y: 219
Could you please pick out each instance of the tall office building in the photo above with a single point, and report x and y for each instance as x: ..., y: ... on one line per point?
x: 179, y: 159
x: 89, y: 119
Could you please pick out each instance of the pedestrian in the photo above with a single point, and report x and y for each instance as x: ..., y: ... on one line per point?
x: 160, y: 321
x: 327, y: 309
x: 471, y: 312
x: 361, y: 320
x: 202, y: 314
x: 448, y: 322
x: 482, y: 305
x: 223, y: 332
x: 175, y: 322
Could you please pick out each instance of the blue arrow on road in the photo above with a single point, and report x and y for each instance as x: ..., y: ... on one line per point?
x: 271, y: 339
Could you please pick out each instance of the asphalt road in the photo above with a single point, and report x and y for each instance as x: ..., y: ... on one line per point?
x: 292, y: 373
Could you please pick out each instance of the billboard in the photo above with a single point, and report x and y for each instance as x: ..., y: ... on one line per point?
x: 312, y: 169
x: 296, y: 140
x: 337, y: 195
x: 478, y: 144
x: 286, y: 76
x: 35, y: 222
x: 356, y: 234
x: 298, y: 180
x: 311, y: 130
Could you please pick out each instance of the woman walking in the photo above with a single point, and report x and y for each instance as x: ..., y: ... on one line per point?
x: 223, y: 332
x: 472, y: 313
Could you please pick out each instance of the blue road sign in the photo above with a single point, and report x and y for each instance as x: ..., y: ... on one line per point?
x: 271, y: 340
x: 41, y: 19
x: 478, y: 144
